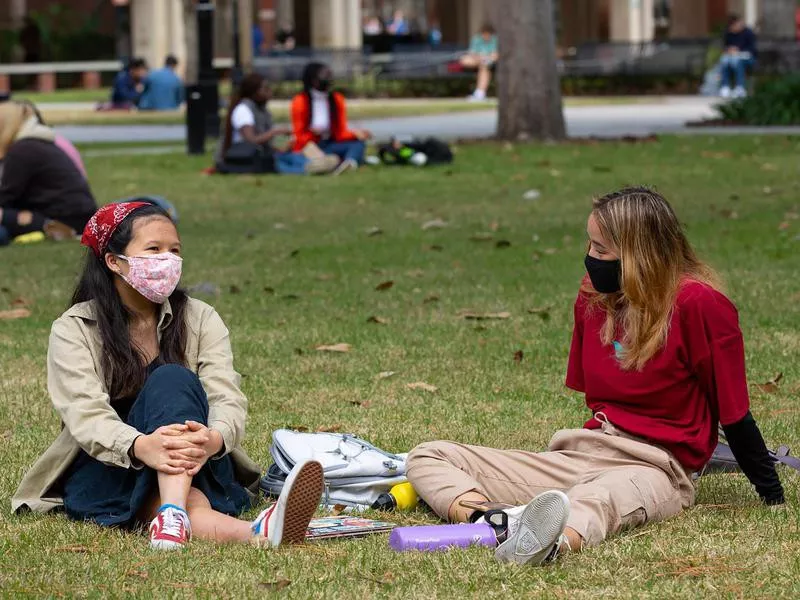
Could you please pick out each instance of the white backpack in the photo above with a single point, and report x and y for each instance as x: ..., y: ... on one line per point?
x: 356, y: 472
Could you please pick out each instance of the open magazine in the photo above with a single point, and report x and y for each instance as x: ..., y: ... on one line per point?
x: 344, y: 526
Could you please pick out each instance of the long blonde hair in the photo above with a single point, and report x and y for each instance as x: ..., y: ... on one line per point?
x: 656, y: 259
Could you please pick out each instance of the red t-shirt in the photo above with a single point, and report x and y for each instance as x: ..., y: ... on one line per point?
x: 677, y: 400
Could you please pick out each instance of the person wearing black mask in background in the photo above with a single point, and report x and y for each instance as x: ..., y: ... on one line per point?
x: 319, y: 116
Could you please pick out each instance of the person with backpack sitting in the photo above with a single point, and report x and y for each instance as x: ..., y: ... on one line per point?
x: 247, y: 145
x: 658, y: 354
x: 319, y: 116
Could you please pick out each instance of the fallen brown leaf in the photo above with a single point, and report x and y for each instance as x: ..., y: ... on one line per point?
x: 329, y: 428
x: 421, y: 385
x: 784, y: 226
x: 361, y: 403
x: 273, y: 586
x: 385, y: 374
x: 431, y: 298
x: 386, y: 285
x: 337, y: 510
x: 481, y: 237
x: 20, y: 302
x: 300, y: 428
x: 77, y: 548
x: 434, y: 224
x: 378, y: 320
x: 771, y: 386
x: 334, y: 348
x: 543, y: 312
x: 476, y: 316
x: 14, y: 313
x: 518, y: 356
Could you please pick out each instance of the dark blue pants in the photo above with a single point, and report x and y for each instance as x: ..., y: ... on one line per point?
x: 111, y: 495
x: 353, y: 150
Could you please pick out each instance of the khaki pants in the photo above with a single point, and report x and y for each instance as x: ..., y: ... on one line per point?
x: 613, y: 480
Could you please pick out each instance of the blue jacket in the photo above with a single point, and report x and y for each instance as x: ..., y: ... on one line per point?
x: 163, y: 90
x: 124, y: 90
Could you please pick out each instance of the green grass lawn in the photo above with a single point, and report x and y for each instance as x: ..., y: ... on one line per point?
x: 296, y: 268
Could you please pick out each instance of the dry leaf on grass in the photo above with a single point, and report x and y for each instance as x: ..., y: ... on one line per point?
x: 518, y: 356
x: 543, y: 312
x: 334, y: 348
x: 273, y: 586
x: 476, y: 316
x: 784, y: 226
x: 373, y: 231
x: 329, y: 428
x: 20, y: 302
x: 76, y: 548
x: 300, y: 428
x: 421, y: 385
x: 378, y: 320
x: 338, y: 509
x: 771, y: 386
x: 434, y: 224
x: 361, y: 403
x: 14, y: 313
x: 385, y: 374
x: 430, y: 299
x: 386, y: 285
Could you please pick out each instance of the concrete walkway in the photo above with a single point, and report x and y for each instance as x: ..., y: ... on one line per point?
x: 612, y: 120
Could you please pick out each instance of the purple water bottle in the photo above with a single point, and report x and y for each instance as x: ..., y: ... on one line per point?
x: 442, y: 537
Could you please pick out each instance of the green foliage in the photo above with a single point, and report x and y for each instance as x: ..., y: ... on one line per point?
x: 775, y: 102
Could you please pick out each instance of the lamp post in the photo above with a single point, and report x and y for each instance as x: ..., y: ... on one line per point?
x: 202, y: 98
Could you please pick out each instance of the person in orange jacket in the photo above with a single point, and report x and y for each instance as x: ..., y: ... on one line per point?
x: 319, y: 115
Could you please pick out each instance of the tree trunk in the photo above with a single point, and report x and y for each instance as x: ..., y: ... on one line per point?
x: 777, y: 19
x: 192, y: 72
x: 528, y: 84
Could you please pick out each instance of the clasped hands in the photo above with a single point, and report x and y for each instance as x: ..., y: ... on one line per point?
x: 178, y: 448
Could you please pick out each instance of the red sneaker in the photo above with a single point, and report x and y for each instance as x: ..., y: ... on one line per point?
x: 170, y: 530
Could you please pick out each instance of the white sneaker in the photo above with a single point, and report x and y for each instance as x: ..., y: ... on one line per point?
x: 725, y: 91
x: 477, y: 96
x: 739, y: 92
x: 170, y: 530
x: 286, y: 521
x: 347, y: 165
x: 539, y: 531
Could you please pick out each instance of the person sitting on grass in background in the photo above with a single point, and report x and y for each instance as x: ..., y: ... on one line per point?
x: 319, y: 115
x: 249, y: 123
x: 128, y: 86
x: 41, y: 189
x: 482, y: 56
x: 142, y: 378
x: 163, y: 89
x: 739, y: 55
x: 658, y: 353
x: 63, y: 143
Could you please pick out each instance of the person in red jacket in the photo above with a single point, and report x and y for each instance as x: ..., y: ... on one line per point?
x: 319, y: 115
x: 658, y: 353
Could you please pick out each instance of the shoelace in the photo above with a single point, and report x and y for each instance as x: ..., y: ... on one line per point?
x: 171, y: 522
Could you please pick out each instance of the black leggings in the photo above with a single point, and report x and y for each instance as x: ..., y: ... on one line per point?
x: 10, y: 222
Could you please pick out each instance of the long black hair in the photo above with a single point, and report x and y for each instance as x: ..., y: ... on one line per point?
x: 248, y: 88
x: 123, y: 363
x: 311, y: 75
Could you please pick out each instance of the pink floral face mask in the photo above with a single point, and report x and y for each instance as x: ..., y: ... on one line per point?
x: 154, y: 276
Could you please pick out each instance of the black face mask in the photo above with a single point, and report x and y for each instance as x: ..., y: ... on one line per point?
x: 324, y: 85
x: 604, y: 274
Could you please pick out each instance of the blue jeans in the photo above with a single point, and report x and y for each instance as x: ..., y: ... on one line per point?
x: 113, y: 496
x: 353, y: 150
x: 290, y: 163
x: 736, y: 65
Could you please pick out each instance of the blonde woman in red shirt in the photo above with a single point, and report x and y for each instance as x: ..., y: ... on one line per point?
x: 658, y: 353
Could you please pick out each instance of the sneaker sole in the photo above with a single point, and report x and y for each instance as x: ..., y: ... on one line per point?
x: 302, y: 502
x: 541, y: 524
x: 165, y: 545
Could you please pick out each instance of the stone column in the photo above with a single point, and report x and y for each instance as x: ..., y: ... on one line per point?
x: 689, y: 19
x: 336, y: 23
x: 631, y: 20
x: 150, y: 30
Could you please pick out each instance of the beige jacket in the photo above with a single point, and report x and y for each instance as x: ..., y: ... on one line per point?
x: 77, y: 389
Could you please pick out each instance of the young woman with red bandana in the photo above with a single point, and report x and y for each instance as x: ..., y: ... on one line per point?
x: 142, y: 378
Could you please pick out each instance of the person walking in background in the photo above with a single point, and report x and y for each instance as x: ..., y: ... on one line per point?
x: 41, y: 189
x: 249, y: 127
x: 163, y: 89
x: 129, y: 85
x: 435, y: 34
x: 285, y: 39
x: 319, y: 115
x: 398, y: 25
x: 740, y: 55
x: 372, y: 26
x: 482, y: 56
x: 259, y: 43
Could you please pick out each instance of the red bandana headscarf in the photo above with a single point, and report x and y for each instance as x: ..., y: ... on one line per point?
x: 104, y: 223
